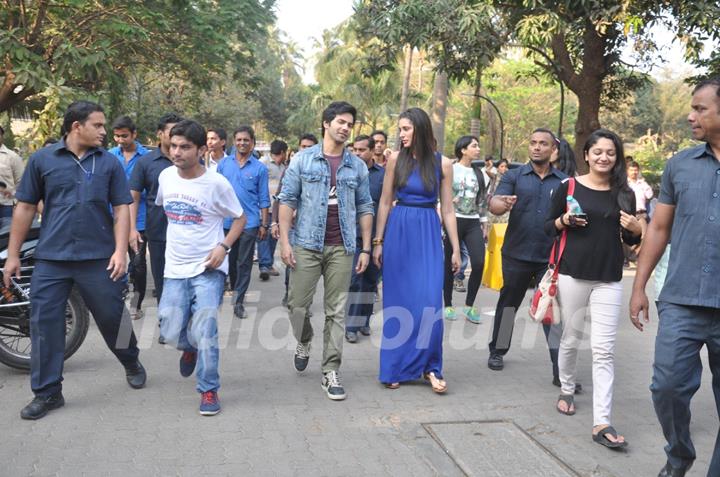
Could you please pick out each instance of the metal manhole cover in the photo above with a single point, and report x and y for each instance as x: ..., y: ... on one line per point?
x: 496, y: 448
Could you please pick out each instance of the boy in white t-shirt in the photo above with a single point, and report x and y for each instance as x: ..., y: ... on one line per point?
x: 195, y: 201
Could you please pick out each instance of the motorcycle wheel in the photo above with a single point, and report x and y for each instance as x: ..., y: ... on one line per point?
x: 16, y: 353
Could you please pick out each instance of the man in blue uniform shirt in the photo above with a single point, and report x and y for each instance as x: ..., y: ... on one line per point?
x: 81, y: 244
x: 688, y: 214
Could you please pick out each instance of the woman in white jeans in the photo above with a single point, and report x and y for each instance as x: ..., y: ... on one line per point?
x: 591, y: 270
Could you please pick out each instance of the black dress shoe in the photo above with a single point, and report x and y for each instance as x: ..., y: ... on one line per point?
x: 495, y: 362
x: 136, y: 375
x: 670, y: 471
x: 40, y: 406
x: 239, y: 312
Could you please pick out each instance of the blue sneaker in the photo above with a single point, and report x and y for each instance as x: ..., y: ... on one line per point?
x: 209, y: 403
x: 187, y: 363
x: 472, y: 315
x: 450, y: 313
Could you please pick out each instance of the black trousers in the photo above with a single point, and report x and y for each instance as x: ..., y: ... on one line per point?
x: 157, y: 264
x: 50, y: 289
x: 470, y: 232
x: 241, y: 263
x: 518, y: 276
x: 137, y: 270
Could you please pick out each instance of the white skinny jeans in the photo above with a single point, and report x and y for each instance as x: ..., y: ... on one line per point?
x: 604, y: 300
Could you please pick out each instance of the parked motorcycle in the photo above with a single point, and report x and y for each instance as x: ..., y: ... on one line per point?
x: 15, y: 307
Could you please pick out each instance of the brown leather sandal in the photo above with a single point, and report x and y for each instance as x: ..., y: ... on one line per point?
x: 438, y: 385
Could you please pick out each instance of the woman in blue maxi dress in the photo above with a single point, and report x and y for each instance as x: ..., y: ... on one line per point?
x: 408, y: 244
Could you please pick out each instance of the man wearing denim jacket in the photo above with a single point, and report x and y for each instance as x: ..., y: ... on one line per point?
x: 328, y: 189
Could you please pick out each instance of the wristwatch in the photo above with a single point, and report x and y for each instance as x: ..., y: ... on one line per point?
x: 227, y: 249
x: 365, y: 251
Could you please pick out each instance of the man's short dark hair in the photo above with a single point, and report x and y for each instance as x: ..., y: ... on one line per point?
x: 547, y: 131
x: 124, y: 122
x: 278, y: 147
x: 246, y: 129
x: 364, y: 137
x: 79, y: 111
x: 220, y: 133
x: 309, y: 137
x: 633, y: 164
x: 190, y: 130
x: 379, y: 131
x: 714, y: 81
x: 335, y: 109
x: 168, y: 118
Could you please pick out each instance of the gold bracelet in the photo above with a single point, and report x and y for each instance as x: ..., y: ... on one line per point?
x: 377, y: 241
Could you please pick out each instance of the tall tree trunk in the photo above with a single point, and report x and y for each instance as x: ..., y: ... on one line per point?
x: 406, y: 78
x: 588, y: 120
x: 405, y: 92
x: 439, y: 108
x: 587, y: 84
x: 475, y: 124
x: 492, y: 133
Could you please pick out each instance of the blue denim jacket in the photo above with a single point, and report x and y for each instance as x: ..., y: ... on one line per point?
x: 306, y: 188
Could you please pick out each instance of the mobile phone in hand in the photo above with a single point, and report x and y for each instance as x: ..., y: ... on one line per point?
x: 581, y: 216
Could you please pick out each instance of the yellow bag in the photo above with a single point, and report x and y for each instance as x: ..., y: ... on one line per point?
x: 492, y: 273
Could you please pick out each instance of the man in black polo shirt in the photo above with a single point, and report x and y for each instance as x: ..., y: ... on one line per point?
x: 77, y: 181
x: 688, y: 212
x: 525, y: 192
x: 144, y: 178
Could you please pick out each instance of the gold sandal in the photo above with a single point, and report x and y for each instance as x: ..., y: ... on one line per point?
x: 438, y: 385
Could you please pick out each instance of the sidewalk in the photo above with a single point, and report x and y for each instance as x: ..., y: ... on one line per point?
x: 275, y: 421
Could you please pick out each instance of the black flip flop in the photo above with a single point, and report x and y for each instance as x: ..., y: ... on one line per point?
x: 602, y: 440
x: 570, y: 401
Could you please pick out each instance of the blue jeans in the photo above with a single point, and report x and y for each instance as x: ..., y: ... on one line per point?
x: 193, y: 303
x: 682, y: 332
x: 464, y: 257
x: 362, y: 295
x: 266, y: 252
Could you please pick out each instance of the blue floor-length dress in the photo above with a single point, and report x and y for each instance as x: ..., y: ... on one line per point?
x: 412, y: 285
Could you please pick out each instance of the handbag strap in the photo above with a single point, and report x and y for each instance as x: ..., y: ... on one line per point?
x: 563, y: 236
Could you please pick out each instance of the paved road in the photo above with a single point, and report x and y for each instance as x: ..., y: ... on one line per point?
x: 277, y: 422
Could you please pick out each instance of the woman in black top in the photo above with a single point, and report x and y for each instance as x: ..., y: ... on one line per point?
x: 591, y: 270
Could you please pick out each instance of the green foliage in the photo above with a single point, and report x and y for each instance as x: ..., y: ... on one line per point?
x: 93, y: 45
x: 460, y: 36
x: 525, y: 100
x: 49, y: 119
x: 9, y: 136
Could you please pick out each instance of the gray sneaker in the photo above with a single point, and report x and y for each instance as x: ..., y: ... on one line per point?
x: 332, y: 386
x: 302, y: 356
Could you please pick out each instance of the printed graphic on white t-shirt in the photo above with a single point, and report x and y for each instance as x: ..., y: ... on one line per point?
x: 195, y: 209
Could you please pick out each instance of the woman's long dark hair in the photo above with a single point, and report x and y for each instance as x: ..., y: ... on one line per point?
x: 566, y: 159
x: 619, y: 188
x: 422, y: 148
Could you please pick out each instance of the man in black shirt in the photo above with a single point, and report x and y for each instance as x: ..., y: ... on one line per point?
x: 525, y: 192
x: 144, y: 178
